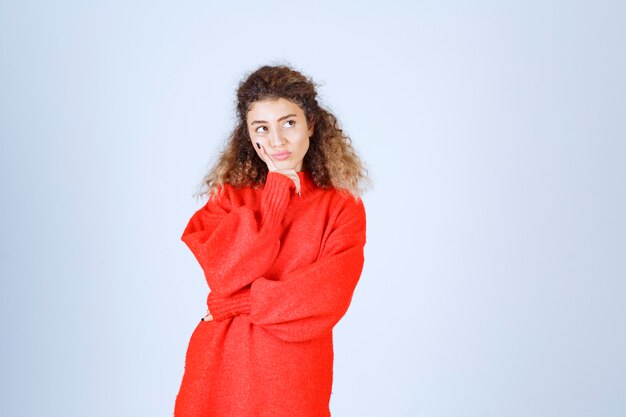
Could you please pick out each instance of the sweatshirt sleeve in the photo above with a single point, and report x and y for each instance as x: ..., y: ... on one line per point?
x: 235, y: 245
x: 309, y: 301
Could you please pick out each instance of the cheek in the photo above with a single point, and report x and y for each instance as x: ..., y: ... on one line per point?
x: 303, y: 146
x: 301, y: 139
x: 254, y: 138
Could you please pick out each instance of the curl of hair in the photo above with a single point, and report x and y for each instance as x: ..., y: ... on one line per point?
x: 331, y: 160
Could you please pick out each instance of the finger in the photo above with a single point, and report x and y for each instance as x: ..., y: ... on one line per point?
x: 293, y: 176
x: 266, y: 157
x: 296, y: 179
x: 208, y: 317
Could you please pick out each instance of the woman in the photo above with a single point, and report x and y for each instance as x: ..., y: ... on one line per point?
x: 280, y: 242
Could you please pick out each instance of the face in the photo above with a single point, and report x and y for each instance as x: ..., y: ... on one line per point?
x: 280, y: 126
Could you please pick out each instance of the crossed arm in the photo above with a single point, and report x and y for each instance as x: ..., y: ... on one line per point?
x: 235, y: 249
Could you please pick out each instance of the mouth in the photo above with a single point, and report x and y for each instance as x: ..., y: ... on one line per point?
x: 281, y: 155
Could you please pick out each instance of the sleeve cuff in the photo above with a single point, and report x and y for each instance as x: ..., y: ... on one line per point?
x: 276, y: 194
x: 223, y: 307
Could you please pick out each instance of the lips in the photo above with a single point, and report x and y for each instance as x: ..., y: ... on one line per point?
x: 281, y: 155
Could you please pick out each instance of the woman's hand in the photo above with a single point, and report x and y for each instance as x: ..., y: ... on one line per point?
x: 291, y: 173
x: 208, y: 316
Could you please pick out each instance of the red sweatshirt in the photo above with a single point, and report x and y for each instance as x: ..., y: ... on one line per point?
x: 282, y: 269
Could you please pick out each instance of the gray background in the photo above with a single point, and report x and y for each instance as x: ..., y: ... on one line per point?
x: 494, y: 132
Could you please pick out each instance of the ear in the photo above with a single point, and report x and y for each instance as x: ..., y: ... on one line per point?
x: 311, y: 127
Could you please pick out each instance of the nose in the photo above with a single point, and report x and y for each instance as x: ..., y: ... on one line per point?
x: 276, y: 139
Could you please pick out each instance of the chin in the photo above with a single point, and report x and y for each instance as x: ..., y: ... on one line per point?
x: 287, y: 164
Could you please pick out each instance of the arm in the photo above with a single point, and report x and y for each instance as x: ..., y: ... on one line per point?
x: 309, y: 301
x: 234, y: 246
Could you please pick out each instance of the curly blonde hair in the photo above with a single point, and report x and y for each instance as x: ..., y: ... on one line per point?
x: 331, y: 160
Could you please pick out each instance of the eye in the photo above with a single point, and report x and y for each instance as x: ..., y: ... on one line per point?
x: 290, y: 123
x: 260, y: 129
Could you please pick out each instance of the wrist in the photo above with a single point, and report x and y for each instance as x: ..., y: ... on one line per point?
x: 223, y: 307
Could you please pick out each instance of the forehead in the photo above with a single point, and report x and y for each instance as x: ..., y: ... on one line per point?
x: 273, y: 109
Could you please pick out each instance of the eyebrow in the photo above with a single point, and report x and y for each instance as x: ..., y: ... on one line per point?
x: 282, y: 118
